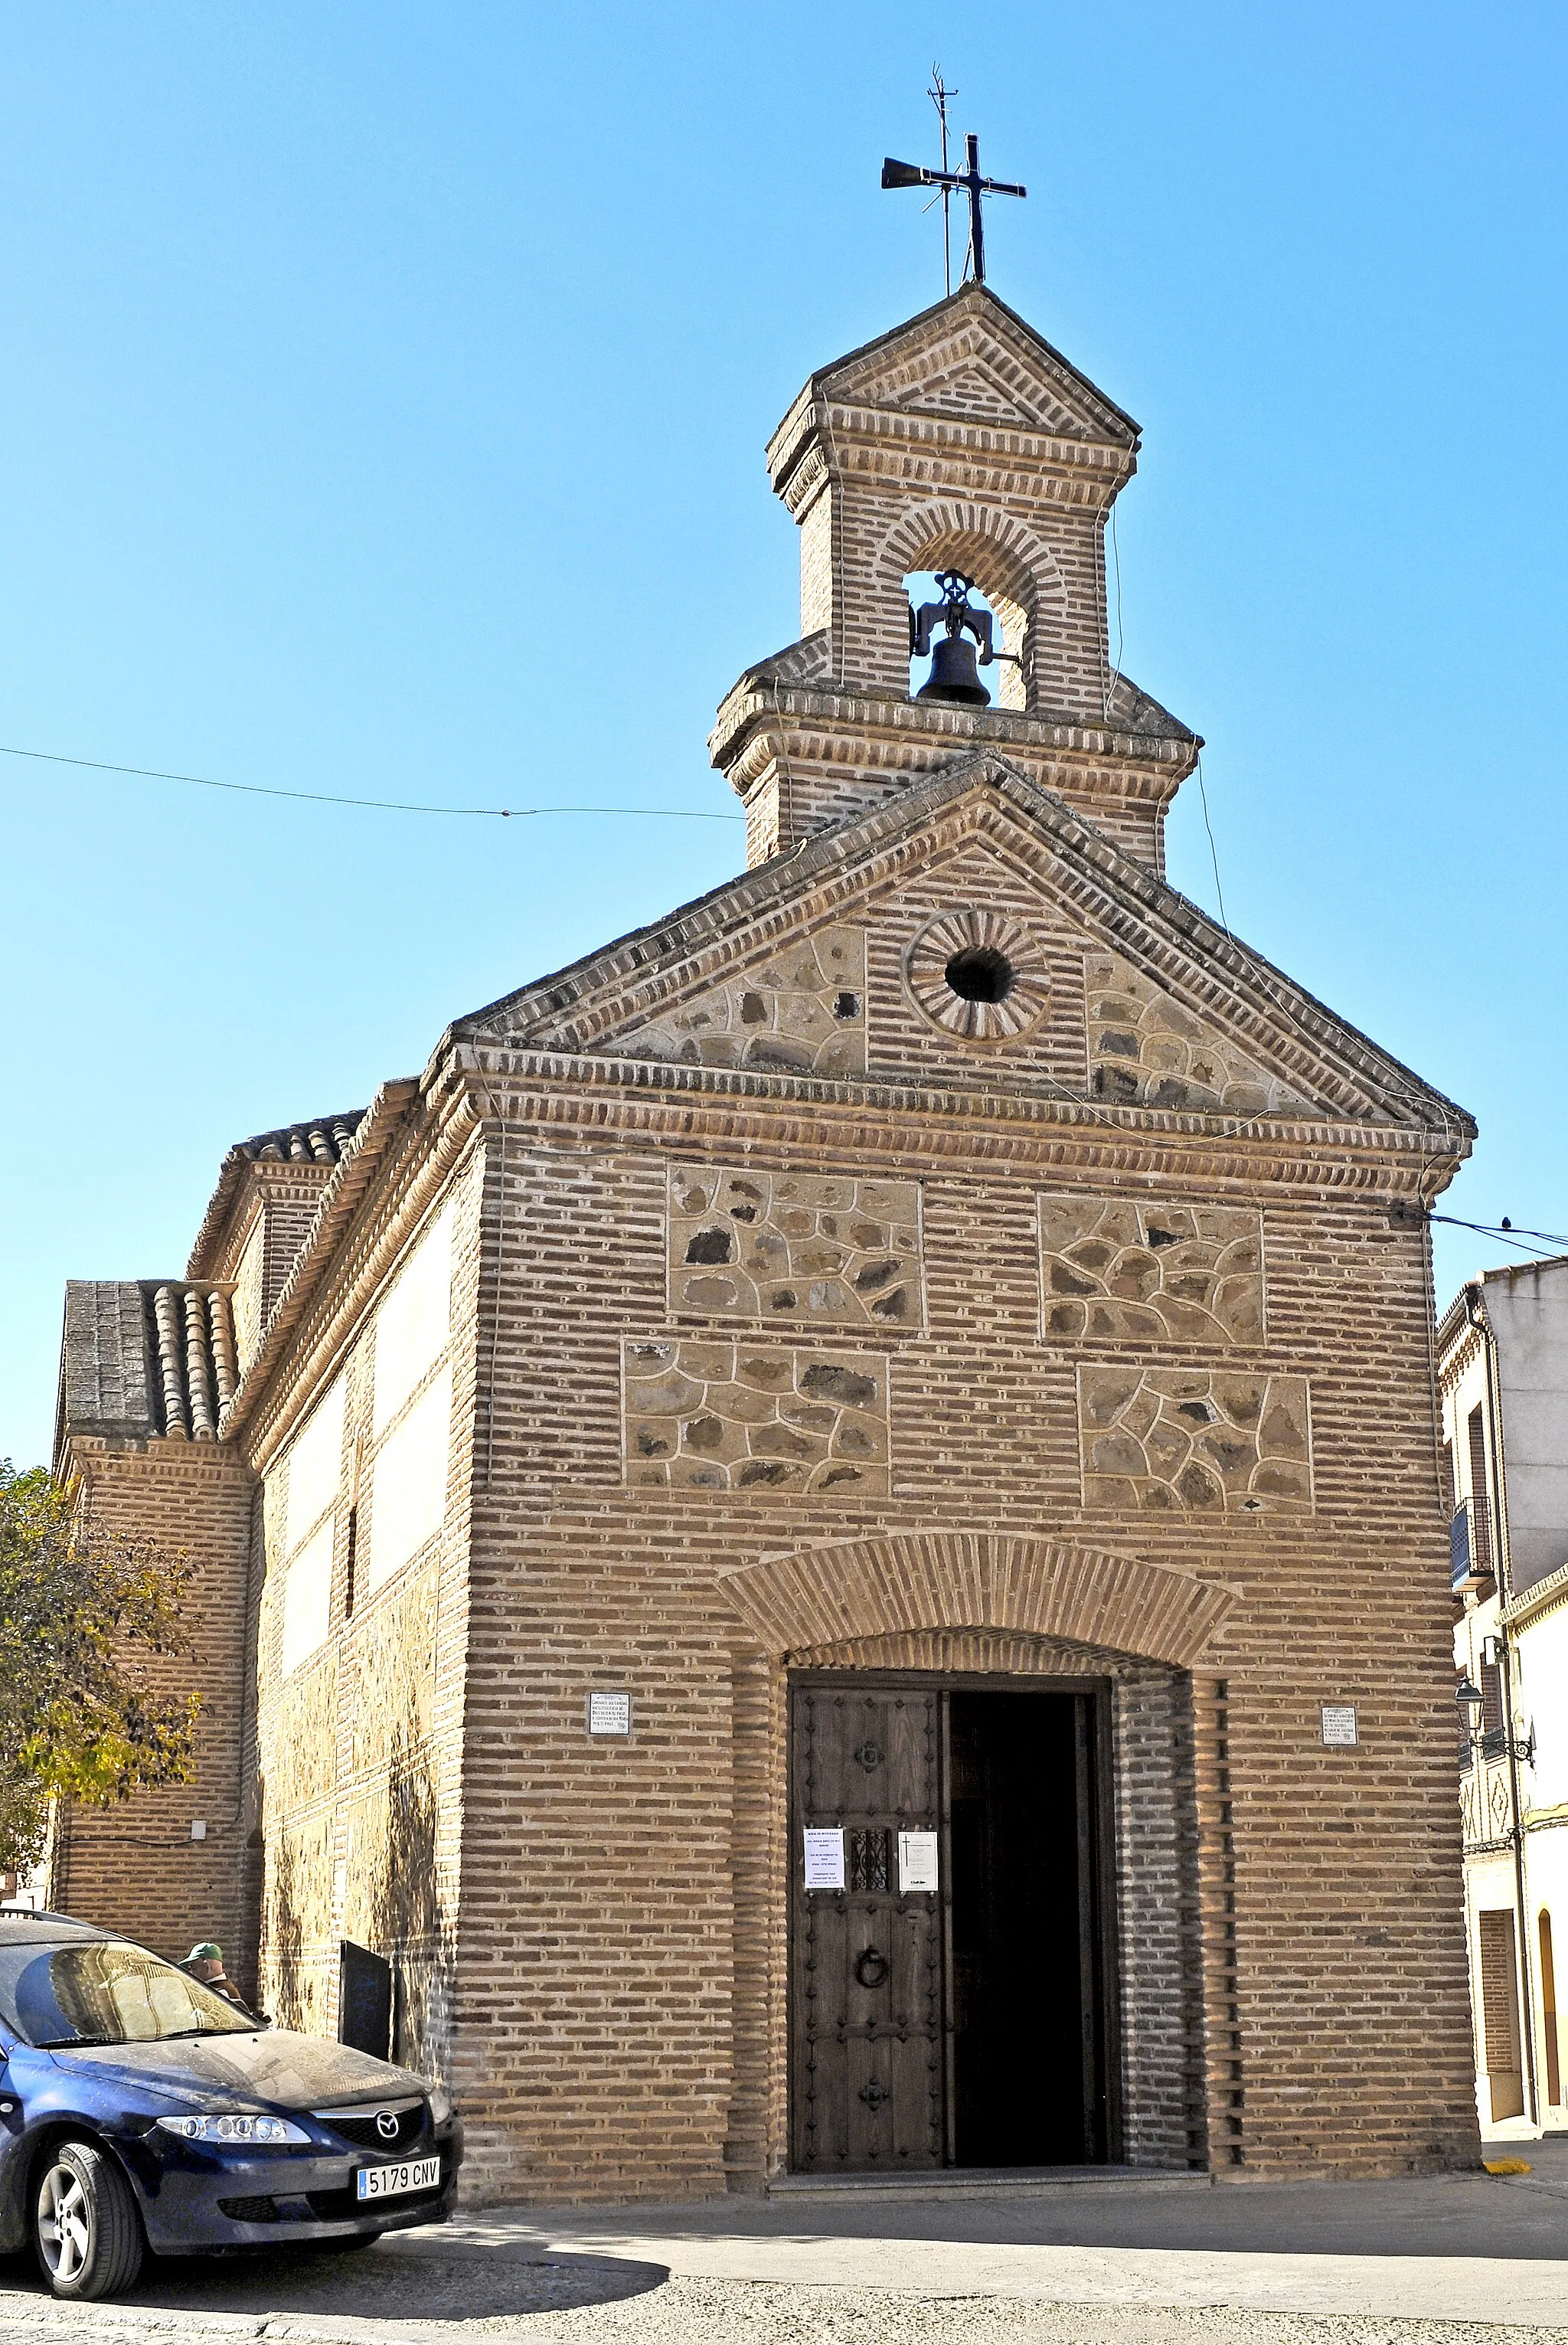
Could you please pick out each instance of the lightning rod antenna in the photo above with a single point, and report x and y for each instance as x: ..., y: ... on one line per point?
x: 939, y: 94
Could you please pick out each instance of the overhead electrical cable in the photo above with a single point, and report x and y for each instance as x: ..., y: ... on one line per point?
x: 381, y: 806
x: 1508, y: 1235
x: 1213, y: 850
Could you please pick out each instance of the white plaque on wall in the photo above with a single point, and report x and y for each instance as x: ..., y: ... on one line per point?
x: 1339, y: 1725
x: 824, y: 1858
x: 609, y: 1713
x: 917, y: 1861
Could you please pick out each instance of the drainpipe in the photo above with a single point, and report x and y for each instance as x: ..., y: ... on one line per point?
x: 1476, y: 1313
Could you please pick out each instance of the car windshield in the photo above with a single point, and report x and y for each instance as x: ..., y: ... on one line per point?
x: 106, y: 1993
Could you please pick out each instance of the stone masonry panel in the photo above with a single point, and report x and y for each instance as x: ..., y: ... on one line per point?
x: 1200, y: 1441
x: 794, y: 1246
x: 1146, y: 1049
x: 742, y: 1417
x: 801, y: 1012
x: 1129, y: 1270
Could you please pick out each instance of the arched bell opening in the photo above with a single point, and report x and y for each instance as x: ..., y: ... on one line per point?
x: 966, y: 647
x: 972, y: 602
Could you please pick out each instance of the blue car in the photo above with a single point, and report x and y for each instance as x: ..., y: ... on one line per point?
x: 139, y: 2110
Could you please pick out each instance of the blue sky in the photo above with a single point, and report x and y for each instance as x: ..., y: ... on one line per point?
x: 385, y: 391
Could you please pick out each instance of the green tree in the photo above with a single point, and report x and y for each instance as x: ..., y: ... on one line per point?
x: 82, y: 1613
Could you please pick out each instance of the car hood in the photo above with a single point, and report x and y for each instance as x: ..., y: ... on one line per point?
x: 288, y: 2071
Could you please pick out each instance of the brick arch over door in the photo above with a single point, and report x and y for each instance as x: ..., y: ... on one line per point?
x: 1013, y: 567
x: 976, y: 1579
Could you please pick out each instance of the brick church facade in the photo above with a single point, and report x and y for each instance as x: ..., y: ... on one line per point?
x: 911, y: 1375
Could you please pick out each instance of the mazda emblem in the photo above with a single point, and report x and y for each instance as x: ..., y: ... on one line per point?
x: 387, y: 2124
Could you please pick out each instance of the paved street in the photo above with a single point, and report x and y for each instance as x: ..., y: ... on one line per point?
x: 1436, y: 2262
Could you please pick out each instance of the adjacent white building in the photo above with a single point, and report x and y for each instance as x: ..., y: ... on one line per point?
x: 1502, y: 1361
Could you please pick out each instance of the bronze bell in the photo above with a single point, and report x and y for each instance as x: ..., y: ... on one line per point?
x: 954, y: 675
x: 955, y: 671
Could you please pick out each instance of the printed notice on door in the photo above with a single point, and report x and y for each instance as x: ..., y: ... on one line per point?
x: 916, y: 1861
x: 1339, y: 1726
x: 824, y: 1858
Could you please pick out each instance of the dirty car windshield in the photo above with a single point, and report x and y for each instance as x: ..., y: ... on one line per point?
x: 106, y: 1993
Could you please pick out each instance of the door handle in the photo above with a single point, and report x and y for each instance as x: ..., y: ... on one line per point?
x: 872, y: 1967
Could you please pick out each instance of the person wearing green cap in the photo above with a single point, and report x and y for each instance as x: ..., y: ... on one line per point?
x: 205, y: 1961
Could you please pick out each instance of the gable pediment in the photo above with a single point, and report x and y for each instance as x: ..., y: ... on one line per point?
x: 819, y: 966
x: 974, y: 386
x: 972, y: 359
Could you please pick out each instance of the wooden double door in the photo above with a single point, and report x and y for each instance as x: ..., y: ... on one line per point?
x: 968, y: 2023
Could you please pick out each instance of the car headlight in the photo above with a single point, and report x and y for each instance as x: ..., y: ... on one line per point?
x: 232, y: 2125
x: 440, y: 2104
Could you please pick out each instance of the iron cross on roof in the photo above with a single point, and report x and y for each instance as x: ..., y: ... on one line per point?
x: 967, y: 182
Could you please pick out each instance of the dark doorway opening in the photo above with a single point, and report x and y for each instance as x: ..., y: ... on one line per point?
x: 966, y: 2022
x: 1024, y: 2003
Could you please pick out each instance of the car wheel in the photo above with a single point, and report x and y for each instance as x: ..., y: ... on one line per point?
x: 85, y: 2228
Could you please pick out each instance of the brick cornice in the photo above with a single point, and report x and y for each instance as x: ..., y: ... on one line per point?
x: 761, y: 719
x: 1459, y: 1356
x: 832, y: 1594
x: 820, y: 1120
x: 1548, y: 1595
x: 82, y: 1456
x: 1006, y: 459
x: 1009, y: 459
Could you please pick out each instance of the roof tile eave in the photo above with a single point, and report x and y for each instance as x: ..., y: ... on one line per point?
x: 145, y: 1357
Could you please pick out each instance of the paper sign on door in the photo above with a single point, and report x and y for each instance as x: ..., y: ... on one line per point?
x: 916, y: 1861
x: 824, y: 1858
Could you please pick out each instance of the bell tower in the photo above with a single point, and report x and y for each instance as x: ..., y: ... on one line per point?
x: 960, y: 443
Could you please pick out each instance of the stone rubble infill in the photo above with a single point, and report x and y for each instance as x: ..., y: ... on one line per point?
x: 725, y: 2313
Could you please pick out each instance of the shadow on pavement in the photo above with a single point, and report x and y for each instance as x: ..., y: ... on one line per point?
x: 1469, y: 2214
x: 416, y: 2279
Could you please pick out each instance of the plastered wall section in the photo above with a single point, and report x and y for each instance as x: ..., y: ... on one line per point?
x: 360, y: 1633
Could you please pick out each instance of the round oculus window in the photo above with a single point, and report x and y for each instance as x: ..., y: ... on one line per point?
x: 980, y: 973
x: 979, y: 976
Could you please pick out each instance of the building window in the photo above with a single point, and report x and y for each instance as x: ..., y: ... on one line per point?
x: 1479, y: 1498
x: 1549, y: 2013
x: 1499, y: 2013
